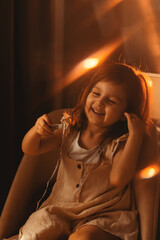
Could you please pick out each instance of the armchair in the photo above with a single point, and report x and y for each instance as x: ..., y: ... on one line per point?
x: 33, y: 174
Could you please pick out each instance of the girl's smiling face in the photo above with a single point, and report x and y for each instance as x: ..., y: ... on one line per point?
x: 105, y: 104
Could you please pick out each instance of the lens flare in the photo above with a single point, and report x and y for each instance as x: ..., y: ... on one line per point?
x: 149, y: 172
x: 90, y: 63
x: 92, y: 60
x: 85, y: 65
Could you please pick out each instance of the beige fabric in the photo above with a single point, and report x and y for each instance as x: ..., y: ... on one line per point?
x: 76, y: 201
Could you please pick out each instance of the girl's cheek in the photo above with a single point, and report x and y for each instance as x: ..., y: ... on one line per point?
x: 88, y: 102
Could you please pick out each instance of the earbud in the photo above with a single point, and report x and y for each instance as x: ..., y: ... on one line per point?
x: 123, y: 118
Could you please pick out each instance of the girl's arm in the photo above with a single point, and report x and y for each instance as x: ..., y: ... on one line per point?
x: 42, y: 137
x: 125, y: 160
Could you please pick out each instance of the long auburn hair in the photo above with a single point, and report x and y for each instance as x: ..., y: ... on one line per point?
x: 137, y: 89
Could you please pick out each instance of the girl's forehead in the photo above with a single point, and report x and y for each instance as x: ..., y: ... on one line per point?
x: 111, y: 88
x: 104, y: 83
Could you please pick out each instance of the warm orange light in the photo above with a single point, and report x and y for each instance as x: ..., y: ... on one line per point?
x: 150, y: 83
x: 149, y: 80
x: 149, y: 172
x: 90, y: 63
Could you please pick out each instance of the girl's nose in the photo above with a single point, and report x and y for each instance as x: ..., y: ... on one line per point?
x: 100, y: 101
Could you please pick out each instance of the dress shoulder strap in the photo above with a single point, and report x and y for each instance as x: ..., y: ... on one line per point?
x: 113, y: 147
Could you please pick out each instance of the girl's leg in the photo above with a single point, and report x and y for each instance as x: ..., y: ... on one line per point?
x: 43, y: 225
x: 91, y: 232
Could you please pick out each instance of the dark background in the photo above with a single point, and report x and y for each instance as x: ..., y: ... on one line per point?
x: 41, y: 41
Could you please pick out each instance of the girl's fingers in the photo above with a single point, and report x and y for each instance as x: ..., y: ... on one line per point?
x: 132, y: 119
x: 43, y: 125
x: 43, y: 132
x: 47, y: 120
x: 45, y: 128
x: 131, y: 116
x: 128, y: 116
x: 135, y: 124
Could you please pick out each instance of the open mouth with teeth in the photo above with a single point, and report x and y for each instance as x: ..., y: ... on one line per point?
x: 97, y: 113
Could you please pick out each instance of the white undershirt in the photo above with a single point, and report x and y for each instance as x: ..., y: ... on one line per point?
x: 81, y: 154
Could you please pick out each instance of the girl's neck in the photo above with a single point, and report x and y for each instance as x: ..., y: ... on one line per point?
x: 91, y: 137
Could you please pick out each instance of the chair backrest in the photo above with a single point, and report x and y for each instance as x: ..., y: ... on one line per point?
x: 33, y: 174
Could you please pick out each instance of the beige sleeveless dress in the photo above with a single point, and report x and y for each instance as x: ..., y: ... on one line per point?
x: 83, y: 195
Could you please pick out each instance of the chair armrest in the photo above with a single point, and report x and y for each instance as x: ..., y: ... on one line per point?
x: 147, y: 190
x: 27, y: 187
x: 147, y: 201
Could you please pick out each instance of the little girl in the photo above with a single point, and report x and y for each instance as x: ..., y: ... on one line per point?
x: 100, y: 145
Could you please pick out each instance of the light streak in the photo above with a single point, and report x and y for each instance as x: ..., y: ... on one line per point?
x: 106, y: 6
x: 80, y: 69
x: 151, y: 35
x: 101, y: 8
x: 99, y: 56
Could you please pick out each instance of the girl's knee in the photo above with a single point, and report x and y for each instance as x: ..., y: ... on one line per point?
x: 91, y: 233
x: 86, y: 233
x: 77, y: 236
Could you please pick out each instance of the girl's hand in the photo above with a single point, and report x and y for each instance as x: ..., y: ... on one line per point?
x: 43, y: 126
x: 136, y: 126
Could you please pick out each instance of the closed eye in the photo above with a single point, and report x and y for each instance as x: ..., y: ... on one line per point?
x: 110, y: 101
x: 96, y: 93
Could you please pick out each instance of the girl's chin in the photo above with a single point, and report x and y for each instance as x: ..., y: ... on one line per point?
x: 98, y: 122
